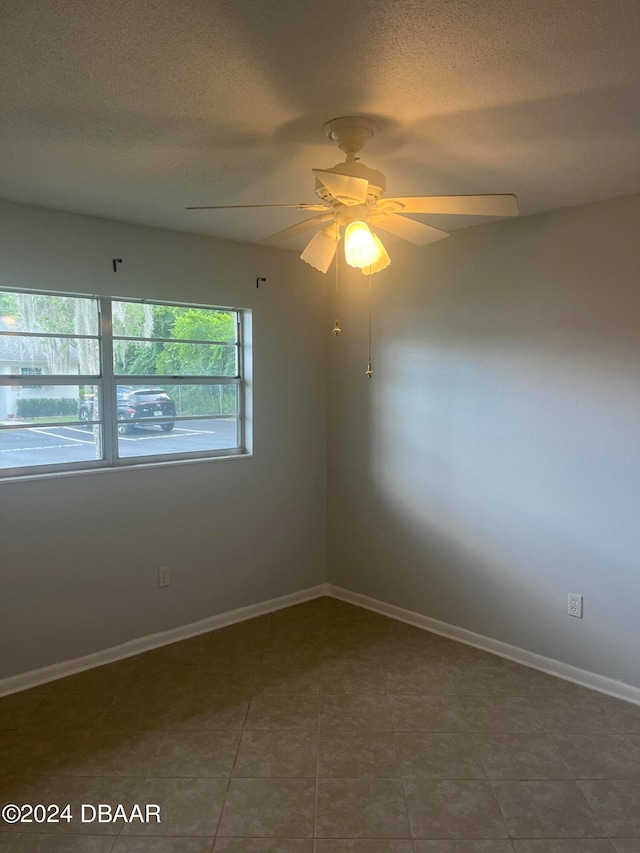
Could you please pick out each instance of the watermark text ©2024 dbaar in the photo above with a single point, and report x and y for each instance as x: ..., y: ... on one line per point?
x: 86, y: 812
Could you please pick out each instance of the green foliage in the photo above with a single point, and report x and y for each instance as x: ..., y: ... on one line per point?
x: 133, y: 319
x: 204, y: 399
x: 43, y: 407
x: 197, y: 359
x: 47, y: 315
x: 199, y: 324
x: 38, y: 312
x: 136, y: 359
x: 8, y: 306
x: 153, y: 358
x: 181, y: 359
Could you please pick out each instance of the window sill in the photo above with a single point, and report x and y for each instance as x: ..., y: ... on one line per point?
x: 170, y: 463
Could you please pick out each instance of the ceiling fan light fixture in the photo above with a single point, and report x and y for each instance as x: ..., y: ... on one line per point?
x: 321, y: 249
x: 360, y: 247
x: 383, y: 259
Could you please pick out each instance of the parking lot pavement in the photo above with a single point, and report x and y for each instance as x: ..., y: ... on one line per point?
x: 55, y: 445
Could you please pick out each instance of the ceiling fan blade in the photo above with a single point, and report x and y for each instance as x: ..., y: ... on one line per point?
x: 471, y: 205
x: 343, y: 188
x: 246, y: 206
x: 409, y: 229
x: 300, y: 228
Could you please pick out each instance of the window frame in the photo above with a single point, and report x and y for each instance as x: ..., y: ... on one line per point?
x: 107, y: 380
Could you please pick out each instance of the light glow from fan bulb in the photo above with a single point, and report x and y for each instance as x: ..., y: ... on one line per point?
x: 360, y: 247
x: 321, y: 249
x: 383, y: 259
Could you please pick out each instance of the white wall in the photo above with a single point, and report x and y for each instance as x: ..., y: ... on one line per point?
x: 492, y: 465
x: 79, y: 554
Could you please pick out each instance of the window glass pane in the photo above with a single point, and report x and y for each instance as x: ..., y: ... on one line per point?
x: 190, y: 402
x: 148, y: 439
x: 53, y: 315
x: 141, y: 320
x: 161, y: 402
x: 39, y: 356
x: 52, y: 428
x: 33, y: 445
x: 204, y: 399
x: 89, y: 404
x: 35, y: 404
x: 169, y: 359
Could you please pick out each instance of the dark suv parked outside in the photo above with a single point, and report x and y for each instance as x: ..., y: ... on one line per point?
x: 133, y: 403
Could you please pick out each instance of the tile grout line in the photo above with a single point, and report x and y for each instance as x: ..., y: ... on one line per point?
x: 315, y: 804
x: 235, y: 760
x: 395, y: 746
x: 577, y: 784
x: 488, y: 781
x: 592, y: 810
x: 533, y: 711
x: 321, y: 694
x: 145, y: 777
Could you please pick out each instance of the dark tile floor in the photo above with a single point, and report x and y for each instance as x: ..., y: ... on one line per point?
x: 318, y: 729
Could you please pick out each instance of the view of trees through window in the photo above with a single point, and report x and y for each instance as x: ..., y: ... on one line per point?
x: 170, y: 363
x: 154, y: 353
x: 47, y: 316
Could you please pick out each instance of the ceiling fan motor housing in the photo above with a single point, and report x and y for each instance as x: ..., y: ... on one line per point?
x: 351, y: 133
x: 355, y: 169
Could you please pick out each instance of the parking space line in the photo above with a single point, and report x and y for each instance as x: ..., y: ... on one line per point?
x: 42, y: 447
x: 163, y: 435
x: 42, y: 431
x: 84, y: 440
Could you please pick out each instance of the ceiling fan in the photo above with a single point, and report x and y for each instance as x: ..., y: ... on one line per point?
x: 352, y: 196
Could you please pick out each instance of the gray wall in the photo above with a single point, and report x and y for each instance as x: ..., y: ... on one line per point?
x: 79, y: 554
x: 492, y: 465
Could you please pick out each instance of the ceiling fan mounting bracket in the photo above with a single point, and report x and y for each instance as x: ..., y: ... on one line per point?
x: 350, y: 132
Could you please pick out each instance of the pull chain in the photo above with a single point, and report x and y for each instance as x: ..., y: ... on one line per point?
x: 336, y: 328
x: 369, y: 372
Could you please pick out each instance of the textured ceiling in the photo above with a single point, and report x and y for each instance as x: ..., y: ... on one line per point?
x: 133, y: 109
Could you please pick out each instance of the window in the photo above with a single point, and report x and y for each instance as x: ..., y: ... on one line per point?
x: 32, y: 371
x: 119, y: 382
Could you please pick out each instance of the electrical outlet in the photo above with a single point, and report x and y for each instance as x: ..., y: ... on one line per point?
x: 575, y: 605
x: 164, y: 576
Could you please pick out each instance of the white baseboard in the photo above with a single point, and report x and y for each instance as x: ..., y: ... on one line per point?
x: 592, y: 680
x: 553, y: 667
x: 154, y: 641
